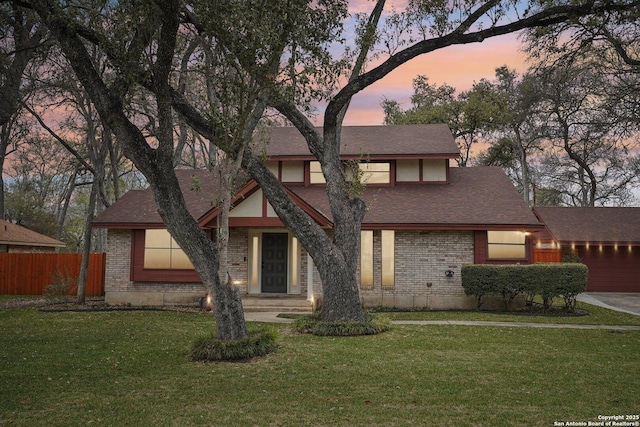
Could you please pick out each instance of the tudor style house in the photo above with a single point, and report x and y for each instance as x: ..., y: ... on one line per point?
x: 425, y: 220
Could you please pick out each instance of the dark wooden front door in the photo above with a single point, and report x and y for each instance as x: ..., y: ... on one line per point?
x: 274, y: 262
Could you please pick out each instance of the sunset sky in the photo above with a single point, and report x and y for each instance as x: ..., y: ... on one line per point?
x: 458, y: 66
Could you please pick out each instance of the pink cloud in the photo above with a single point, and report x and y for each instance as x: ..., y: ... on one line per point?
x: 458, y: 66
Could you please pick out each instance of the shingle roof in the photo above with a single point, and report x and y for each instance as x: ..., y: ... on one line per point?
x: 15, y: 235
x: 137, y: 208
x: 475, y: 198
x: 390, y: 142
x: 606, y: 225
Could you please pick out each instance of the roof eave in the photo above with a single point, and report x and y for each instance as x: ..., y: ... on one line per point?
x: 40, y: 245
x: 444, y: 226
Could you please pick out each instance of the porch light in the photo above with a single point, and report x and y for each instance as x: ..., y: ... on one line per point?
x: 448, y: 273
x: 205, y: 302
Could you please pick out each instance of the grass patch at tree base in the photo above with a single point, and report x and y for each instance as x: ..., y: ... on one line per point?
x: 312, y: 324
x: 260, y: 342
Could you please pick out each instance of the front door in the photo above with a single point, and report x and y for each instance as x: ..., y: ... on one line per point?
x: 274, y: 262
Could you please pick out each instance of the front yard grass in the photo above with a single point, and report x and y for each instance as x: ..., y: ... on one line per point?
x: 596, y: 316
x: 132, y: 368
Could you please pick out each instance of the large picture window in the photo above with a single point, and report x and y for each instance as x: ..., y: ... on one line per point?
x: 506, y: 245
x: 162, y: 252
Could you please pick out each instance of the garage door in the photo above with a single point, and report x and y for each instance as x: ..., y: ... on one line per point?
x: 612, y: 269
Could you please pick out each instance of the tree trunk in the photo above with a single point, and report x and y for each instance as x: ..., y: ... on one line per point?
x: 155, y: 163
x: 86, y: 248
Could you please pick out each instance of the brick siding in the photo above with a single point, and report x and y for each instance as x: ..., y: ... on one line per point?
x: 421, y: 259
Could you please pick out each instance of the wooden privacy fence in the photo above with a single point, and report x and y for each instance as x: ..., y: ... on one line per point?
x: 547, y: 255
x: 30, y: 274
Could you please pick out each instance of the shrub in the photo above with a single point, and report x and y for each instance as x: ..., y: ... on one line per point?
x: 311, y: 324
x: 548, y: 281
x: 479, y: 281
x: 259, y: 343
x: 571, y: 256
x: 62, y: 285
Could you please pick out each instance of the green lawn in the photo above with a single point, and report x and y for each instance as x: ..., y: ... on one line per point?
x: 596, y: 316
x: 131, y: 368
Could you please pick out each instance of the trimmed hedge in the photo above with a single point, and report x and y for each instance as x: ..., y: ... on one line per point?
x: 548, y: 280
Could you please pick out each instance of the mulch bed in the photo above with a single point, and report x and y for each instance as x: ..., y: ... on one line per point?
x: 98, y: 304
x: 91, y: 304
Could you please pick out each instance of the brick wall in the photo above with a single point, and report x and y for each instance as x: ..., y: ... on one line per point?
x: 421, y: 259
x: 119, y: 289
x: 237, y: 257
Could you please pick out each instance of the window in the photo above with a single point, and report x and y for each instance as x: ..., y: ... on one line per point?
x: 388, y: 257
x: 372, y: 173
x: 162, y: 252
x: 506, y: 245
x: 315, y: 173
x: 375, y: 173
x: 366, y: 258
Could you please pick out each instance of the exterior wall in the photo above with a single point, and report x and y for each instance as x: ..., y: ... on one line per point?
x: 237, y: 257
x: 421, y: 259
x: 119, y: 289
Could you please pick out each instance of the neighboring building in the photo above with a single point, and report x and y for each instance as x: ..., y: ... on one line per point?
x: 426, y: 220
x: 606, y: 239
x: 14, y: 238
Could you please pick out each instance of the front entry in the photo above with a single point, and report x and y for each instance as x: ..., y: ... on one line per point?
x: 274, y: 262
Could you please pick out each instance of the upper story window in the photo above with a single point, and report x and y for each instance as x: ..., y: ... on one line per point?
x: 162, y: 252
x: 372, y: 173
x: 315, y: 174
x: 375, y: 173
x: 421, y: 170
x: 506, y: 245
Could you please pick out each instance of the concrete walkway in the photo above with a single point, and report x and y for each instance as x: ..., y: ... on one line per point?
x: 272, y: 317
x: 624, y: 302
